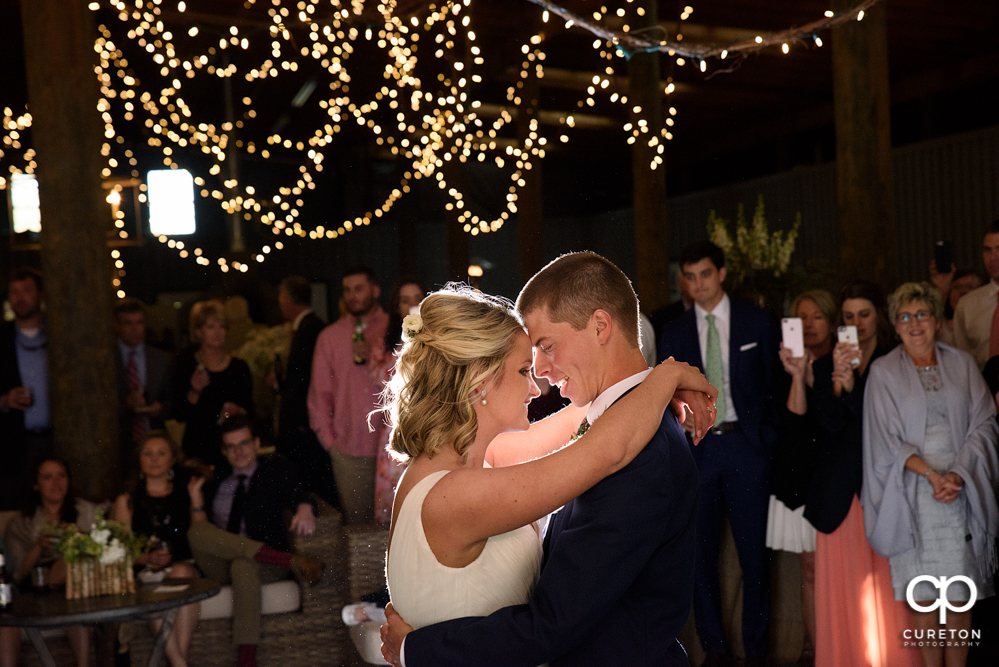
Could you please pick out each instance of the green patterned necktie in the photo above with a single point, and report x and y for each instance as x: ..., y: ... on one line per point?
x: 714, y: 371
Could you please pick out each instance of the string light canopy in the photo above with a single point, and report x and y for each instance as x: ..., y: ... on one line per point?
x: 425, y: 110
x: 656, y: 39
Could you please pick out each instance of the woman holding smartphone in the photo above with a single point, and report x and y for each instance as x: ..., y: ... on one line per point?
x: 810, y: 334
x: 858, y: 622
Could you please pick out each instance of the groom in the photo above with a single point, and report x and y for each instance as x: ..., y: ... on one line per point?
x: 617, y: 579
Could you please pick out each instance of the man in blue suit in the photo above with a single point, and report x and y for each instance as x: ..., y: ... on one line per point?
x: 616, y: 583
x: 734, y: 344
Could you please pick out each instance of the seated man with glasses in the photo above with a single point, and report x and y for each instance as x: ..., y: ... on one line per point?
x: 238, y: 534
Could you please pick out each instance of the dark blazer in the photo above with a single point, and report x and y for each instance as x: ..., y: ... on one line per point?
x: 752, y: 358
x: 273, y: 489
x: 159, y: 386
x: 839, y: 469
x: 798, y: 440
x: 12, y: 421
x: 294, y: 413
x: 617, y: 581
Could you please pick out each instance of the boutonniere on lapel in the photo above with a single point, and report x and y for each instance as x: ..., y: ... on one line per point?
x: 583, y: 428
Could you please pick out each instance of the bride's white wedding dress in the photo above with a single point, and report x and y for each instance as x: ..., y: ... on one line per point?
x: 425, y: 592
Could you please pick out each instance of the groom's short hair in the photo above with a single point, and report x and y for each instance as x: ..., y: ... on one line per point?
x: 571, y: 287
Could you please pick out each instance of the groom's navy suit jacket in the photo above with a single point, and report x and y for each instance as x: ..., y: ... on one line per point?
x: 616, y: 584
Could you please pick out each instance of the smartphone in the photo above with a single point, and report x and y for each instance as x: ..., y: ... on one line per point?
x: 943, y: 253
x: 791, y: 330
x: 848, y: 334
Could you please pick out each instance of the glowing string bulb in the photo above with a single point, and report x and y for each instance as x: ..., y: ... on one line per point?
x: 860, y: 15
x: 704, y: 66
x: 181, y: 6
x: 818, y: 41
x: 193, y: 31
x: 724, y: 54
x: 785, y: 48
x: 829, y: 14
x: 544, y: 16
x: 759, y: 40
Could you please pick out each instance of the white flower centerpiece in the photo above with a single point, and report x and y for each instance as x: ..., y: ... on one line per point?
x: 98, y: 561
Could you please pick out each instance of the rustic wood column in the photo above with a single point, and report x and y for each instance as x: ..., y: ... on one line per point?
x: 63, y: 93
x: 649, y: 189
x: 529, y: 198
x: 862, y: 106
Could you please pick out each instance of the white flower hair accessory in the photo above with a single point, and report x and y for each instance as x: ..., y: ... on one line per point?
x: 412, y: 324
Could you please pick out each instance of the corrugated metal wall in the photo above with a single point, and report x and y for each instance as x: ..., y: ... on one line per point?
x: 944, y: 189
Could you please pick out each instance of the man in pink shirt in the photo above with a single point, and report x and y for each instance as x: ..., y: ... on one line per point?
x: 344, y: 390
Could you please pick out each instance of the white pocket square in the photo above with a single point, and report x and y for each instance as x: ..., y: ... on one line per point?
x: 747, y: 346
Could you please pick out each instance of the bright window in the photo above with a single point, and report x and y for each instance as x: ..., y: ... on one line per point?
x: 171, y: 202
x: 24, y: 203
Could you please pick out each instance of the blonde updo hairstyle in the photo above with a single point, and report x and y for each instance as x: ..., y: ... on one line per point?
x: 464, y: 340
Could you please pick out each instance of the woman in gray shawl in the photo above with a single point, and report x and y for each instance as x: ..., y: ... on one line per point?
x: 930, y: 467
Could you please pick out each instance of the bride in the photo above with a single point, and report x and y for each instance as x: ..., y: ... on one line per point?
x: 464, y: 538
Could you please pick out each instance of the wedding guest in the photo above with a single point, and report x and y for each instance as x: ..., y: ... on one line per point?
x: 407, y: 295
x: 25, y: 423
x: 29, y: 545
x: 158, y: 506
x: 144, y: 376
x: 238, y: 532
x: 857, y: 621
x: 976, y: 318
x: 734, y: 342
x: 952, y: 286
x: 930, y: 468
x: 210, y: 384
x: 346, y: 383
x: 797, y: 439
x: 296, y: 440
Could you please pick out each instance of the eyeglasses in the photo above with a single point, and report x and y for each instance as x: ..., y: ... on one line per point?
x: 244, y: 444
x: 921, y: 316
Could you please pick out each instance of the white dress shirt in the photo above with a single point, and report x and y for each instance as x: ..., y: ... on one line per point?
x: 608, y: 396
x: 973, y: 321
x: 723, y: 322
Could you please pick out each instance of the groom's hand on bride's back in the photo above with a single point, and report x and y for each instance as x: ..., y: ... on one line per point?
x: 393, y: 631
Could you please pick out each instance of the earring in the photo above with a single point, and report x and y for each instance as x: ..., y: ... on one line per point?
x: 483, y: 394
x: 170, y: 475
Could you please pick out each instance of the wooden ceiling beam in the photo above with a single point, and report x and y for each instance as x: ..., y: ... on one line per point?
x: 907, y: 89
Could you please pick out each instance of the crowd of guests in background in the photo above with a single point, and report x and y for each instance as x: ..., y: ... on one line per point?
x: 874, y: 460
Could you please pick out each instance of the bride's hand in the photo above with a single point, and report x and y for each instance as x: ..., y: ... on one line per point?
x: 393, y: 632
x: 694, y: 394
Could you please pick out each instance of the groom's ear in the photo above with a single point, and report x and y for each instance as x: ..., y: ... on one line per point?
x: 603, y: 325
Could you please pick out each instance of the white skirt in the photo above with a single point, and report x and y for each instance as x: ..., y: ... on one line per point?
x: 788, y: 530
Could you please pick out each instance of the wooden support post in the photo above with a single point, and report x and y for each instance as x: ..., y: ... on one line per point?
x: 862, y: 105
x: 62, y: 95
x: 649, y: 190
x: 529, y: 198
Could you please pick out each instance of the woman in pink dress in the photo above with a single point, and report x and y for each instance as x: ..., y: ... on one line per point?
x: 858, y: 621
